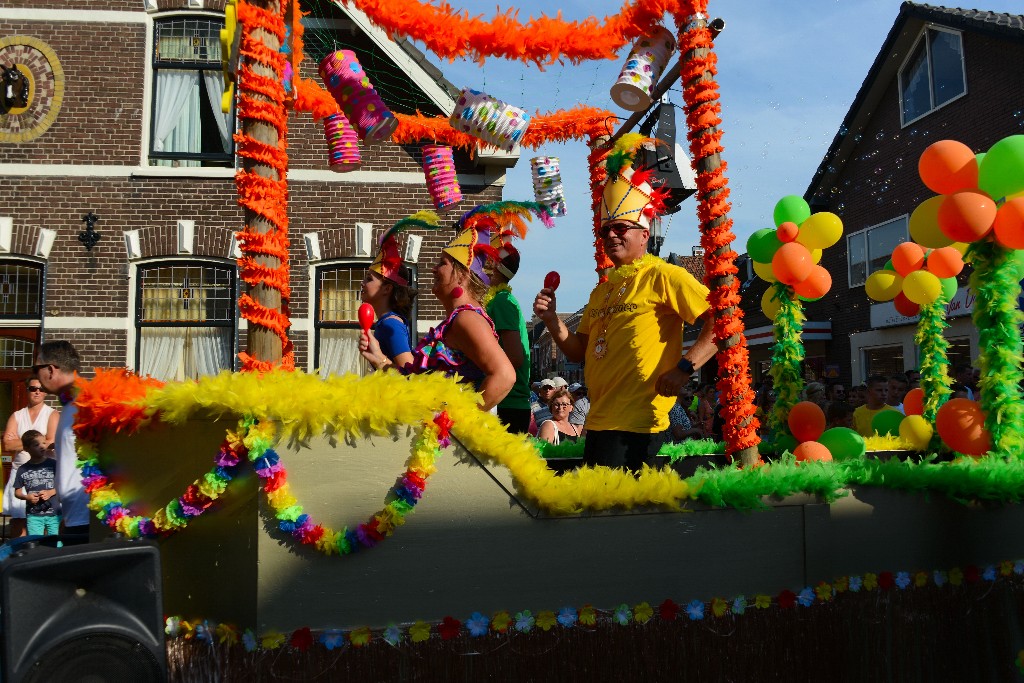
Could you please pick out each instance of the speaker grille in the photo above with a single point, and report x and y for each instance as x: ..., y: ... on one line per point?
x: 97, y: 658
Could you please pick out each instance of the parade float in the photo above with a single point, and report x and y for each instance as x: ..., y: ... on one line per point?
x: 386, y: 528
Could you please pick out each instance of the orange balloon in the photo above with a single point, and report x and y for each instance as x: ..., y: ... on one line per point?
x: 913, y: 402
x: 961, y: 424
x: 945, y: 262
x: 787, y: 232
x: 948, y: 166
x: 1009, y: 224
x: 907, y: 257
x: 806, y: 421
x: 812, y: 450
x: 792, y: 263
x: 905, y: 306
x: 967, y: 216
x: 816, y: 285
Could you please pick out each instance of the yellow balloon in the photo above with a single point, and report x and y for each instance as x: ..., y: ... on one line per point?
x: 916, y: 431
x: 922, y: 287
x: 768, y: 305
x: 816, y: 255
x: 960, y: 246
x: 820, y: 231
x: 764, y: 271
x: 884, y: 285
x: 924, y: 224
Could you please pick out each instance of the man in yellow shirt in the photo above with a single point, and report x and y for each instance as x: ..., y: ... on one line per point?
x: 863, y: 415
x: 631, y: 332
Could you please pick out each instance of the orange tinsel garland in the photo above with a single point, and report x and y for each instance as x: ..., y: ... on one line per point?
x: 544, y: 40
x: 111, y: 402
x: 261, y: 99
x: 598, y: 175
x: 701, y: 97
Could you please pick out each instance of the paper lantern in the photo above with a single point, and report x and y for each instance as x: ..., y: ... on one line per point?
x: 643, y: 68
x: 342, y: 143
x: 351, y: 88
x: 491, y: 120
x: 442, y: 181
x: 547, y: 184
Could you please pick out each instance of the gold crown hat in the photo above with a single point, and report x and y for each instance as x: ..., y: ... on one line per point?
x: 388, y: 263
x: 628, y: 193
x: 486, y: 224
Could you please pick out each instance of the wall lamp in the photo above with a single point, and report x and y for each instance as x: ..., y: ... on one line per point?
x: 89, y: 237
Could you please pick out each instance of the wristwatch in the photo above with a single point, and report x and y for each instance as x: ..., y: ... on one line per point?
x: 686, y: 366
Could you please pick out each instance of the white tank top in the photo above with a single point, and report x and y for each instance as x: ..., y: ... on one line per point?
x: 25, y: 423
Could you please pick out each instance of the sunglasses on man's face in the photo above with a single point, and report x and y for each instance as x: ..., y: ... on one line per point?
x: 35, y: 389
x: 620, y: 229
x: 37, y: 368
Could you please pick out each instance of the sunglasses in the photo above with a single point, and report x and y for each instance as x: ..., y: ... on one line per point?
x: 37, y: 368
x: 34, y: 389
x: 620, y: 229
x: 563, y: 405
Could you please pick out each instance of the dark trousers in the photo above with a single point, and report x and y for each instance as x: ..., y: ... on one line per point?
x: 516, y: 419
x: 613, y: 448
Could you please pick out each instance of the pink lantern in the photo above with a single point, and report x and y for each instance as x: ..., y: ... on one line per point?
x: 351, y: 88
x: 439, y: 168
x: 342, y: 143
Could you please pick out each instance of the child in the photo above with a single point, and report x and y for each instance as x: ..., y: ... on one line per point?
x: 840, y: 415
x: 35, y: 485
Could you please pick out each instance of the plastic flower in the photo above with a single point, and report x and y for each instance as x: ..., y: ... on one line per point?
x: 920, y: 579
x: 668, y: 610
x: 870, y: 582
x: 449, y: 628
x: 203, y: 633
x: 171, y: 626
x: 855, y: 584
x: 392, y: 635
x: 841, y: 585
x: 249, y: 640
x: 695, y: 610
x: 588, y: 615
x: 719, y: 607
x: 787, y: 599
x: 902, y: 580
x: 524, y: 621
x: 1005, y: 568
x: 185, y: 629
x: 823, y: 591
x: 940, y: 578
x: 301, y: 639
x: 972, y: 574
x: 226, y: 634
x: 500, y: 622
x: 642, y: 613
x: 567, y: 616
x: 332, y: 638
x: 272, y: 640
x: 989, y: 573
x: 477, y: 624
x: 361, y: 636
x: 1018, y: 567
x: 739, y: 605
x: 956, y: 576
x: 763, y: 601
x: 419, y: 631
x: 806, y: 597
x: 623, y: 615
x: 546, y: 619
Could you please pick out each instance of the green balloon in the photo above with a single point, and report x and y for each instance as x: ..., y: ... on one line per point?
x: 887, y: 422
x: 791, y: 208
x: 783, y: 443
x: 843, y: 443
x: 1002, y: 169
x: 889, y: 266
x: 948, y: 288
x: 762, y: 245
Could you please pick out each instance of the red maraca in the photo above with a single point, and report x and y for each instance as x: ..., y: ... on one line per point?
x: 366, y: 316
x: 552, y: 280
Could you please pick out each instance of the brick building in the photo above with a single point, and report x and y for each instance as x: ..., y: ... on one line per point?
x: 121, y: 119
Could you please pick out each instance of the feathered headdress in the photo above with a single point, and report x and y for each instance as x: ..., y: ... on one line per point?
x: 388, y: 263
x: 628, y: 193
x: 479, y: 227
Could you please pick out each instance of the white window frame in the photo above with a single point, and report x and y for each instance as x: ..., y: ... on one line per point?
x: 865, y: 236
x: 928, y: 62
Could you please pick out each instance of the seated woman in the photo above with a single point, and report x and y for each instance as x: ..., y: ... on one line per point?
x: 465, y: 343
x: 559, y: 427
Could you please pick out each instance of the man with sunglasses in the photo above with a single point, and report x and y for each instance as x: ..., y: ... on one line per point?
x: 57, y: 364
x: 631, y: 332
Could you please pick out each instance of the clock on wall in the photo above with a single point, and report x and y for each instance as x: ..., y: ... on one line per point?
x: 31, y: 88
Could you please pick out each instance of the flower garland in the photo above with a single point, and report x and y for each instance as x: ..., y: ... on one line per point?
x: 545, y: 40
x: 492, y: 292
x: 504, y: 622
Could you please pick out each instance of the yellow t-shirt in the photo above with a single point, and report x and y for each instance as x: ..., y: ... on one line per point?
x: 644, y: 339
x: 863, y: 416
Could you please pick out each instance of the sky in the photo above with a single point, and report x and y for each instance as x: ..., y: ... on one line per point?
x: 788, y: 71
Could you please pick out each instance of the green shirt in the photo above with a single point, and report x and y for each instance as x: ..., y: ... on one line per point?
x: 506, y: 314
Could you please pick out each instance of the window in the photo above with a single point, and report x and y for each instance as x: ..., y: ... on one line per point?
x: 21, y: 290
x: 337, y: 319
x: 186, y: 320
x: 869, y: 250
x: 189, y: 128
x: 883, y: 360
x: 16, y: 353
x: 958, y: 353
x: 933, y: 74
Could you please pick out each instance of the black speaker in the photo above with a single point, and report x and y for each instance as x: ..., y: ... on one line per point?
x: 82, y: 613
x: 665, y: 158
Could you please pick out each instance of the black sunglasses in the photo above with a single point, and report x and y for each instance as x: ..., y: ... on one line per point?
x: 37, y: 368
x: 34, y: 389
x: 620, y: 229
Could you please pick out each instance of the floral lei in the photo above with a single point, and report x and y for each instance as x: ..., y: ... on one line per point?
x: 628, y: 270
x: 493, y: 292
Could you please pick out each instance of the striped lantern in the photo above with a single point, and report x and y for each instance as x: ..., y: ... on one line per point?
x: 646, y: 62
x: 351, y: 88
x: 492, y: 121
x: 342, y: 143
x: 442, y: 183
x: 547, y: 184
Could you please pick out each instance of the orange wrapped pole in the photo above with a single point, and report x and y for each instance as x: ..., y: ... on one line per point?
x: 598, y: 175
x: 700, y: 94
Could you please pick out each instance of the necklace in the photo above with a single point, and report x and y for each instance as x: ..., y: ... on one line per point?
x: 493, y: 292
x: 620, y: 278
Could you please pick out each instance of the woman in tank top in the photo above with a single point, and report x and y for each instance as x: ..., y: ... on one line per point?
x: 40, y: 417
